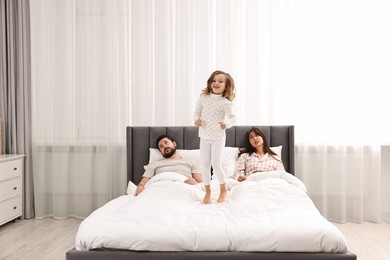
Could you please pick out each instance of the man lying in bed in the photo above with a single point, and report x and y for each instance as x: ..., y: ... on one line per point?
x: 172, y: 162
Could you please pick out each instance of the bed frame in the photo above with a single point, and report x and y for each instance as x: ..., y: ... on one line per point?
x: 140, y: 139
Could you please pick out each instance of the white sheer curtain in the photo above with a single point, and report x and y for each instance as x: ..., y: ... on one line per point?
x: 81, y: 104
x: 319, y: 65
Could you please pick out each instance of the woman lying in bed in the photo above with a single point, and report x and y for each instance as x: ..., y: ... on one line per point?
x: 257, y: 156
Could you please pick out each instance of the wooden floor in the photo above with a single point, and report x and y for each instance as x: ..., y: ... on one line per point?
x: 37, y: 239
x: 369, y: 241
x: 50, y: 239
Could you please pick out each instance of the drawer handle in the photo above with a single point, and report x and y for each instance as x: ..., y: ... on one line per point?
x: 16, y: 168
x: 15, y: 188
x: 15, y: 207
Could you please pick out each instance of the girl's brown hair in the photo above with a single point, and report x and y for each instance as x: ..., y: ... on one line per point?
x: 229, y: 85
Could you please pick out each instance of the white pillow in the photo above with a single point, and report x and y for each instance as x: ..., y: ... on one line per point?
x: 131, y: 188
x: 277, y: 150
x: 155, y: 155
x: 229, y: 158
x: 258, y: 176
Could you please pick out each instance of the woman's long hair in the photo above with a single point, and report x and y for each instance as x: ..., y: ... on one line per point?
x: 250, y: 149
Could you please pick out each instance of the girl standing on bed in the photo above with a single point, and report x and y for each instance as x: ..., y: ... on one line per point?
x: 213, y: 114
x: 256, y: 157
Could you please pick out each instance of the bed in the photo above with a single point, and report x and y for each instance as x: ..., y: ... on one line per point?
x: 285, y: 240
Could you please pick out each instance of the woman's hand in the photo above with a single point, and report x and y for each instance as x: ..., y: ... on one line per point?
x: 198, y: 122
x: 241, y: 178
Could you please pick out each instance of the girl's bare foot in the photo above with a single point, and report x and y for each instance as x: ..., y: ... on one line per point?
x: 223, y: 195
x: 207, y: 199
x: 207, y: 196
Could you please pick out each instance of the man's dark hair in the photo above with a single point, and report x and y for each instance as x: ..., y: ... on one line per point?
x: 164, y: 136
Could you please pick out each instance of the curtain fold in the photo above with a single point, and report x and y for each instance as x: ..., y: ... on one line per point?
x: 101, y: 65
x: 81, y: 104
x: 15, y: 89
x: 343, y: 180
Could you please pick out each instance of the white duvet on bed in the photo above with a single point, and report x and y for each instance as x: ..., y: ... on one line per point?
x: 268, y: 212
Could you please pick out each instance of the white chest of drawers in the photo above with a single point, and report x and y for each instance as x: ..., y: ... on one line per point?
x: 11, y: 187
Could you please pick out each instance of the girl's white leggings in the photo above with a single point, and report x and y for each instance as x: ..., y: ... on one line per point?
x: 211, y: 152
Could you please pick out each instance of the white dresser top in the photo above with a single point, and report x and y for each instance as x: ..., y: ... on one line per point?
x: 9, y: 157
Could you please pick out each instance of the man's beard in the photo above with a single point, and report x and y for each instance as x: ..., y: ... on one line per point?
x: 172, y: 152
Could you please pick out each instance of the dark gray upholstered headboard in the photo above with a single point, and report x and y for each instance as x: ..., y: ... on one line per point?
x: 141, y: 138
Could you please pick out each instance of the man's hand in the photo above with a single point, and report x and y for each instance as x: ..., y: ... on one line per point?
x: 191, y: 181
x: 140, y: 188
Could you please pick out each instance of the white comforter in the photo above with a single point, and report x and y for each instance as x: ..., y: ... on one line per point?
x: 268, y: 212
